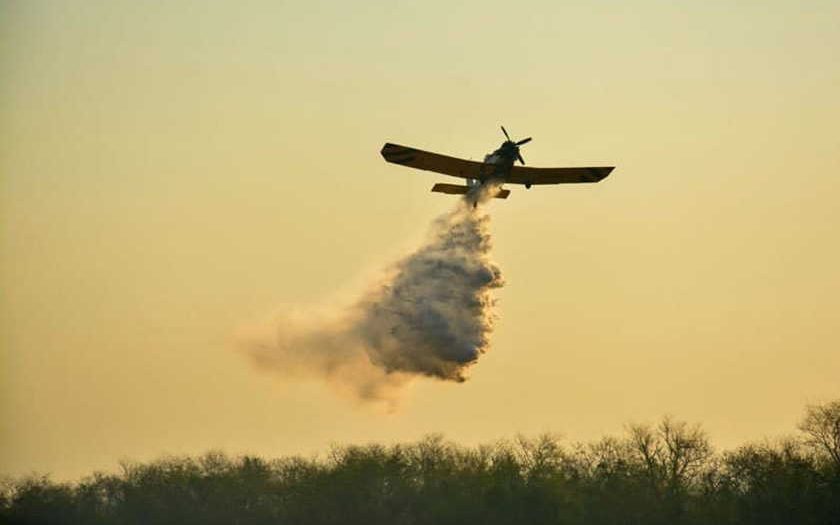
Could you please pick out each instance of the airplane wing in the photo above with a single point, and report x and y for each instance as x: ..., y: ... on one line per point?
x: 424, y: 160
x: 527, y: 175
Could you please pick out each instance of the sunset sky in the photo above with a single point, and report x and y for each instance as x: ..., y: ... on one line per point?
x: 173, y: 171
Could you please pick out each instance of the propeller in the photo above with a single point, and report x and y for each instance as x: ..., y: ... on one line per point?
x: 517, y: 144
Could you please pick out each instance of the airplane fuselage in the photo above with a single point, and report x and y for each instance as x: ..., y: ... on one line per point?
x: 501, y: 161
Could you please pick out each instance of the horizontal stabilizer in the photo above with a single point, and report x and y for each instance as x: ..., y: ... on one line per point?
x: 454, y: 189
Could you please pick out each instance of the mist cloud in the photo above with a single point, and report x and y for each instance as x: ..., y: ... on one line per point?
x: 430, y: 314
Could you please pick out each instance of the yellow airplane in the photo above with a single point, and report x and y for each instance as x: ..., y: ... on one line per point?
x: 497, y: 167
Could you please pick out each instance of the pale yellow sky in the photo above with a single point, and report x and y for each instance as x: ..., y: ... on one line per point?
x: 170, y: 172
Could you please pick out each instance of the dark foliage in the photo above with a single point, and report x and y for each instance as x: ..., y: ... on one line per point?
x: 666, y: 474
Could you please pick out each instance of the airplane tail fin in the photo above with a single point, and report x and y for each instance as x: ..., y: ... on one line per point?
x: 454, y: 189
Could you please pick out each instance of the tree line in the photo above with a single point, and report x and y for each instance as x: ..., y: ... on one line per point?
x: 666, y: 473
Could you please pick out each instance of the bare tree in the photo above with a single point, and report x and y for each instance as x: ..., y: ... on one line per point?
x: 648, y: 451
x: 541, y: 455
x: 687, y: 447
x: 673, y: 453
x: 821, y: 426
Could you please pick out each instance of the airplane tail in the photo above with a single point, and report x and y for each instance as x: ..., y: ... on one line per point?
x: 454, y: 189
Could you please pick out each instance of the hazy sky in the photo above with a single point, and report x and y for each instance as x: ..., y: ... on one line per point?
x: 171, y: 171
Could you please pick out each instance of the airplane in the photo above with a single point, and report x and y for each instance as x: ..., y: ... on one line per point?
x: 498, y: 167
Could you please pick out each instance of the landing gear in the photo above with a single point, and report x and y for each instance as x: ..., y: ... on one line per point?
x: 527, y: 185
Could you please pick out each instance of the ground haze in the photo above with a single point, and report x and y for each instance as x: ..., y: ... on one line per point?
x: 653, y: 474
